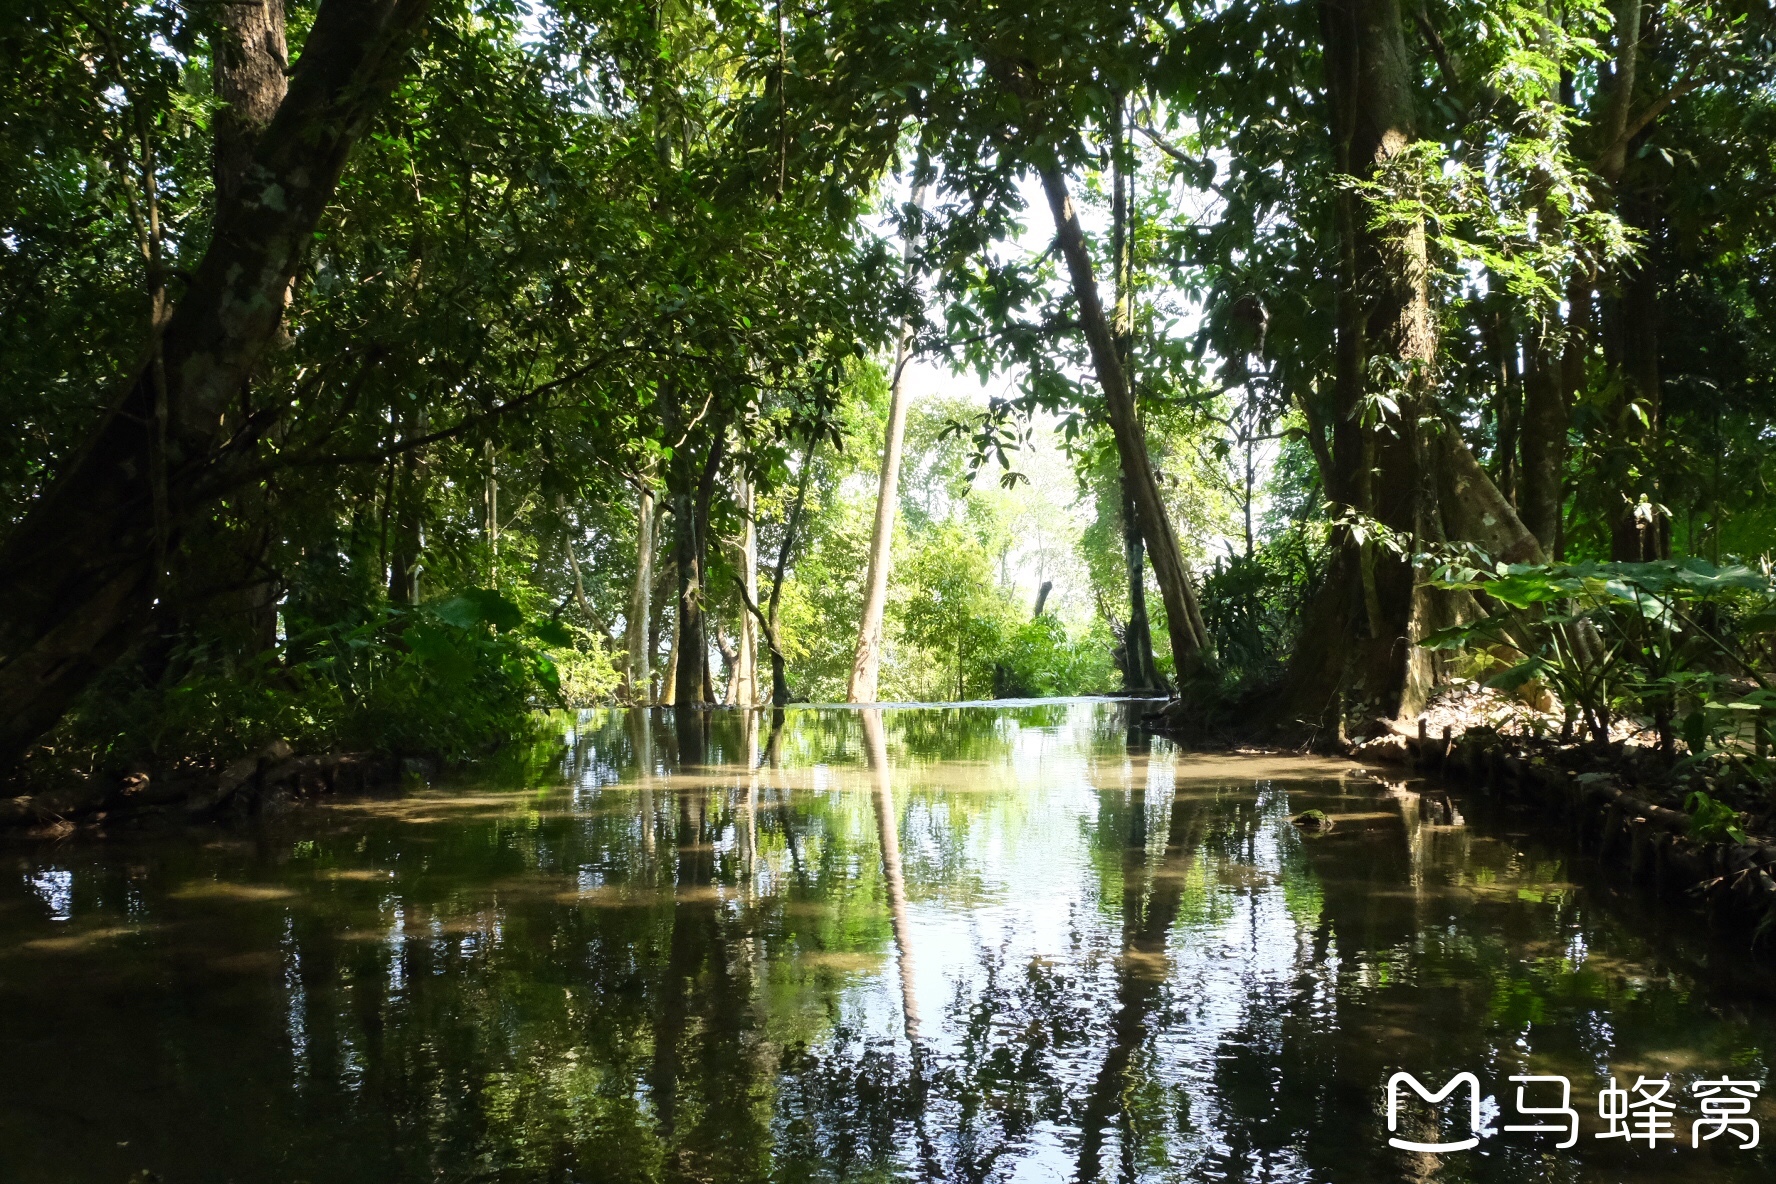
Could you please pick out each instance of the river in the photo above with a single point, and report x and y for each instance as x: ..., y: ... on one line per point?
x: 977, y: 943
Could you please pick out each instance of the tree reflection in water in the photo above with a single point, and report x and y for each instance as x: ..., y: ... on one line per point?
x: 821, y: 945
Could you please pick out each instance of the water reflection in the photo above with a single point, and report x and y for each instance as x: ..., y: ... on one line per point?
x: 957, y: 943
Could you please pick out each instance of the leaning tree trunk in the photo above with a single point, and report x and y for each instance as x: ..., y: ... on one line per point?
x: 79, y: 575
x: 1184, y: 621
x: 867, y: 667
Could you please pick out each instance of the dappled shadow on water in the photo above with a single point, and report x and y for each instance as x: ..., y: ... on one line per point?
x: 957, y: 944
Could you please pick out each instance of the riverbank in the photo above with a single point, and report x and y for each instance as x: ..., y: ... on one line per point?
x: 271, y: 778
x: 1619, y: 804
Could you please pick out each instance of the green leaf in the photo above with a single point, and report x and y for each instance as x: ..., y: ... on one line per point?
x: 1525, y: 671
x: 552, y: 633
x: 480, y: 606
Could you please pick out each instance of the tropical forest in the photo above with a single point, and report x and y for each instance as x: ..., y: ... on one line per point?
x: 827, y: 590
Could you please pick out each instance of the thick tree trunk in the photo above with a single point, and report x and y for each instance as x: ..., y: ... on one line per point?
x: 79, y: 574
x: 1184, y: 622
x: 639, y: 661
x: 1382, y: 313
x: 692, y: 489
x: 1545, y: 416
x: 250, y: 61
x: 867, y: 667
x: 1359, y: 645
x: 1474, y: 509
x: 251, y: 57
x: 689, y: 647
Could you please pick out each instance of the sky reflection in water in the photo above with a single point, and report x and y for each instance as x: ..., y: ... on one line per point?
x: 659, y: 955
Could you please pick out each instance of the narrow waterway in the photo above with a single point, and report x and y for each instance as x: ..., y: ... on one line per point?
x: 1010, y: 943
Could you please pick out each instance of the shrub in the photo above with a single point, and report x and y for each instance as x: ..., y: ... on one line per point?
x: 445, y: 679
x: 1041, y: 659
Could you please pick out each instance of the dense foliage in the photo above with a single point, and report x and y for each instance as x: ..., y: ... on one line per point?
x: 580, y: 384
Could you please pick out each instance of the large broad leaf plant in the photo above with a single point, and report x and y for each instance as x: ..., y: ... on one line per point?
x: 1684, y: 642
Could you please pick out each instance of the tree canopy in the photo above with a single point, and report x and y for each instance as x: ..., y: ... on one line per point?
x: 383, y: 371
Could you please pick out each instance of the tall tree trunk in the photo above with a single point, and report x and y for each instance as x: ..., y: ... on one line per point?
x: 746, y: 670
x: 1639, y: 529
x: 1545, y: 416
x: 691, y: 511
x: 1552, y: 380
x: 639, y: 661
x: 1507, y: 402
x: 1137, y: 642
x: 490, y: 514
x: 706, y: 486
x: 867, y: 667
x: 1184, y: 623
x: 1137, y: 637
x: 251, y: 59
x: 689, y: 647
x: 1393, y: 469
x: 79, y: 574
x: 403, y: 570
x: 685, y: 482
x: 669, y: 682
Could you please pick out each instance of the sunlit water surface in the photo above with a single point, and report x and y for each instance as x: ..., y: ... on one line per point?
x: 1018, y: 943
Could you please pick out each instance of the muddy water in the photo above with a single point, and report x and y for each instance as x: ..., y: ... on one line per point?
x: 975, y: 944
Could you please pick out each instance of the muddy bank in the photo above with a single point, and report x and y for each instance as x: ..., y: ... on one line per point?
x: 1610, y: 804
x: 271, y: 779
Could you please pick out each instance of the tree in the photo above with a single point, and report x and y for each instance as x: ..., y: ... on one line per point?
x: 866, y: 669
x: 82, y: 568
x: 953, y: 610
